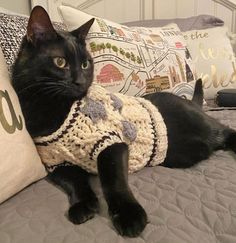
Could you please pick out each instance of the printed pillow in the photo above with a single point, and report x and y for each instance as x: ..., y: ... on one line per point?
x: 213, y: 55
x: 135, y: 61
x: 12, y: 30
x: 20, y: 164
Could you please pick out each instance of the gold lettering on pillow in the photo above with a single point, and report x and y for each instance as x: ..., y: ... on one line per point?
x: 213, y: 53
x: 196, y: 35
x: 233, y: 76
x: 17, y: 123
x: 215, y: 80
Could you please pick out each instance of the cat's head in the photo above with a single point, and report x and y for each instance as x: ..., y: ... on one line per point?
x: 52, y: 63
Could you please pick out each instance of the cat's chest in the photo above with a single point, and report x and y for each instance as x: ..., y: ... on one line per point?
x: 45, y: 118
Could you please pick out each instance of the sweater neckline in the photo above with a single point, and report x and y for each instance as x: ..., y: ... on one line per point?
x: 63, y: 129
x: 70, y: 119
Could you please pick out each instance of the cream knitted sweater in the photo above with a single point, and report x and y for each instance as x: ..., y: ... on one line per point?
x: 99, y: 120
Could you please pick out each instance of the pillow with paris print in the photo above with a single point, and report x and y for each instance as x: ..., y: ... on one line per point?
x: 136, y: 60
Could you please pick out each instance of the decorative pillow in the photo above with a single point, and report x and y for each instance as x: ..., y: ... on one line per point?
x: 20, y: 164
x: 185, y: 24
x: 214, y: 58
x: 12, y: 30
x: 136, y: 61
x: 7, y: 11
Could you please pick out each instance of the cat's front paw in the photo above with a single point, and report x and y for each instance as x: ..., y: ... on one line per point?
x: 129, y: 219
x: 82, y: 211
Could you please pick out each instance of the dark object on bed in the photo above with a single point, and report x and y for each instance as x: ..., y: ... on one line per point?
x: 226, y: 97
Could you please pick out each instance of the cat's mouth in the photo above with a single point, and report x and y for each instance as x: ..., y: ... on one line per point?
x: 76, y: 91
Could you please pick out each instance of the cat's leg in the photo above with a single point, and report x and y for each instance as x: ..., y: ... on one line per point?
x: 74, y: 181
x: 190, y: 151
x: 127, y: 215
x: 186, y: 153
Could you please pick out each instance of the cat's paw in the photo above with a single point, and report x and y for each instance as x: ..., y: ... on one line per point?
x: 82, y: 211
x: 129, y: 219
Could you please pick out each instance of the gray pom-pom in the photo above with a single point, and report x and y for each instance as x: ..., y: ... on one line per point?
x: 95, y: 110
x: 117, y: 103
x: 129, y: 130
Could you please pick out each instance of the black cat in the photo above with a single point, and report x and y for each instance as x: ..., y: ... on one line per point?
x: 52, y: 71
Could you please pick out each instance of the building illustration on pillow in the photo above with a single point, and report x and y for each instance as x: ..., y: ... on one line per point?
x: 135, y: 61
x: 157, y: 84
x: 108, y: 74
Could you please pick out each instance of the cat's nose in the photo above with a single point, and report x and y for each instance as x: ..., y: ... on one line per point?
x: 79, y: 82
x: 76, y: 83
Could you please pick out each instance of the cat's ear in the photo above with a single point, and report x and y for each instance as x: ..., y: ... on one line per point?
x: 40, y: 26
x: 83, y: 30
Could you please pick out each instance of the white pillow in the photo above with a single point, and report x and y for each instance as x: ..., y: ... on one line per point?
x: 213, y: 55
x: 7, y: 11
x: 136, y: 60
x: 20, y: 164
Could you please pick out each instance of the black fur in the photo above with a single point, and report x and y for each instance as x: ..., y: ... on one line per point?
x: 230, y: 140
x: 46, y: 94
x: 192, y: 135
x: 127, y: 215
x: 74, y: 181
x: 45, y: 91
x: 198, y: 93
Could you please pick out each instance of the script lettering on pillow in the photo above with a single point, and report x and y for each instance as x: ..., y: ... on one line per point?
x: 215, y: 80
x: 213, y: 55
x: 16, y: 122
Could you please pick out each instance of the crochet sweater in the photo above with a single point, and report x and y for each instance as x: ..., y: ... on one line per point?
x: 99, y: 120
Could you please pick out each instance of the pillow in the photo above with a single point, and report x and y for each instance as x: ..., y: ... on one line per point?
x: 12, y: 30
x: 20, y: 164
x: 135, y: 61
x: 185, y: 24
x: 213, y: 55
x: 7, y: 11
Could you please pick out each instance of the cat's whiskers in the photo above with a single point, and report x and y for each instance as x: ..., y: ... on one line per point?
x: 30, y: 87
x: 40, y: 83
x: 37, y: 82
x: 53, y: 90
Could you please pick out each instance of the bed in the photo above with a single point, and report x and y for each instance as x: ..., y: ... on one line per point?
x: 183, y: 205
x: 191, y: 205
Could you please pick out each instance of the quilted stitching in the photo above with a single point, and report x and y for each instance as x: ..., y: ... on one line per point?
x: 191, y: 205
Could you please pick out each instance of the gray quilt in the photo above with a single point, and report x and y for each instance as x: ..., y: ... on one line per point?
x: 191, y: 205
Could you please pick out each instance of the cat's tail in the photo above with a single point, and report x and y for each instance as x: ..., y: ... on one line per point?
x: 198, y: 93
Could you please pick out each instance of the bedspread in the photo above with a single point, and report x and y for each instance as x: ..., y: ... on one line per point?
x: 190, y: 205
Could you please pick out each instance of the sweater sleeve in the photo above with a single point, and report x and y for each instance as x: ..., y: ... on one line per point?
x: 108, y: 139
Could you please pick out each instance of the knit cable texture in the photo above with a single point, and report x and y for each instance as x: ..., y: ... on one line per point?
x: 99, y: 120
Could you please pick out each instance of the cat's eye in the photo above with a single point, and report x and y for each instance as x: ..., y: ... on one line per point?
x: 85, y: 65
x: 60, y: 62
